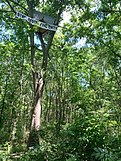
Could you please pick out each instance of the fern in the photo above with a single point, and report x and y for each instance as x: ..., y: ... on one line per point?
x: 103, y: 155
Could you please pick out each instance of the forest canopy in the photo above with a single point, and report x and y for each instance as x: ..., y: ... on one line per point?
x: 60, y: 80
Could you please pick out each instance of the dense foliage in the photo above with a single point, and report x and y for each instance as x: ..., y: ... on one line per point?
x: 81, y: 102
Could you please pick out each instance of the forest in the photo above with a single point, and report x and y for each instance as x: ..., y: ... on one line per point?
x: 60, y: 80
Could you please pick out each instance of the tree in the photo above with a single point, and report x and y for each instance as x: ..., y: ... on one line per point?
x: 70, y: 90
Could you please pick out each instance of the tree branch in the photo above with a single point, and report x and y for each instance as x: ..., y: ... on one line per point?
x: 41, y: 40
x: 11, y: 6
x: 111, y: 11
x: 4, y: 11
x: 19, y: 5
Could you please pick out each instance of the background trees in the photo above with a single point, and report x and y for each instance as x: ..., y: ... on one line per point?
x: 80, y: 117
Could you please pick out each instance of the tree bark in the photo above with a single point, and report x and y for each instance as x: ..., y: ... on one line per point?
x: 38, y: 86
x: 38, y: 82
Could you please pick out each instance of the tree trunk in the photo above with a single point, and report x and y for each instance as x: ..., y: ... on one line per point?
x: 36, y: 114
x: 38, y: 83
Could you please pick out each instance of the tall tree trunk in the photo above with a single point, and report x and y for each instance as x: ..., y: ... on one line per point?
x: 38, y: 86
x: 38, y: 82
x: 36, y: 114
x: 36, y: 111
